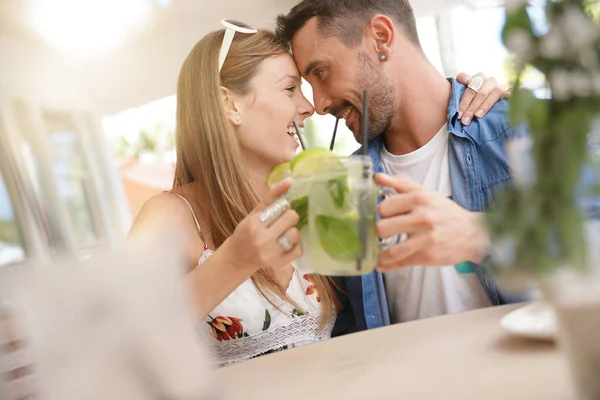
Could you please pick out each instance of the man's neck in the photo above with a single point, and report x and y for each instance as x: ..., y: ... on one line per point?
x: 422, y: 108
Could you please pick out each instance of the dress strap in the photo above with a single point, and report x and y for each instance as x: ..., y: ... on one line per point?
x: 198, y: 228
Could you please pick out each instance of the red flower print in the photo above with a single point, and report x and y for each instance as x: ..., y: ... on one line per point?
x: 311, y: 289
x: 226, y: 328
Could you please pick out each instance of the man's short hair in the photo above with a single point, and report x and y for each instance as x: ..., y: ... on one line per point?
x: 346, y: 19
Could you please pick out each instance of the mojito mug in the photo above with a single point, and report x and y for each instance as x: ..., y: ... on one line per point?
x: 337, y: 206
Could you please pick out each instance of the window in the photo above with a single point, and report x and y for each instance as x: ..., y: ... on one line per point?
x: 72, y: 177
x: 143, y: 142
x: 478, y: 45
x: 11, y: 247
x: 477, y: 42
x: 318, y: 130
x: 429, y: 39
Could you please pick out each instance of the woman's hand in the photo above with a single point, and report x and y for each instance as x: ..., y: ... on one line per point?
x: 258, y: 242
x: 477, y: 103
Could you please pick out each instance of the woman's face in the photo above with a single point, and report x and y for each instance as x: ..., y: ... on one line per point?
x: 266, y: 130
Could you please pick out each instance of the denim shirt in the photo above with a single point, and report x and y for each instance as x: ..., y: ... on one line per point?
x: 478, y: 168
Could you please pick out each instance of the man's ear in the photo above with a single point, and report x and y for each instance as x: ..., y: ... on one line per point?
x: 382, y: 33
x: 230, y: 102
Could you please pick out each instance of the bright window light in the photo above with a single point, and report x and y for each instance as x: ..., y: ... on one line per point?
x: 88, y: 27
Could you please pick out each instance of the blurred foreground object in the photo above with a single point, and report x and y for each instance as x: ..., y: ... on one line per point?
x: 117, y: 326
x: 545, y: 225
x: 577, y: 306
x: 539, y: 221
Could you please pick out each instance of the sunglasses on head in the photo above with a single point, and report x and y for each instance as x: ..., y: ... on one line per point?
x: 231, y: 27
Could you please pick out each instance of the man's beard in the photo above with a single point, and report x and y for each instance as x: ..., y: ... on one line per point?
x: 380, y: 88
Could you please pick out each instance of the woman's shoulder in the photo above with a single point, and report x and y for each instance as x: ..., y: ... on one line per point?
x: 165, y: 201
x: 166, y: 205
x: 162, y: 213
x: 167, y: 216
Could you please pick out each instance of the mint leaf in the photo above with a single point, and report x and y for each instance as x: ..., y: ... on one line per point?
x: 300, y: 205
x: 337, y: 189
x: 338, y: 239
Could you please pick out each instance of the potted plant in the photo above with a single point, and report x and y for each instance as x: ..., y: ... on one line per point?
x: 539, y: 224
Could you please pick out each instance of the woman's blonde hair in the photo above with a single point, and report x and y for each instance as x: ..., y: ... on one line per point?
x: 208, y: 151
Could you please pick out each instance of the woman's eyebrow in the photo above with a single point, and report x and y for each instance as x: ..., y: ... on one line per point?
x: 292, y: 77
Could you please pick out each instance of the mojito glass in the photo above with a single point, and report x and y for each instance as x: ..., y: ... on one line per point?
x: 335, y: 239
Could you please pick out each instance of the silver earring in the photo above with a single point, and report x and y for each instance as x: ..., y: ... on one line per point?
x: 238, y: 119
x: 382, y: 56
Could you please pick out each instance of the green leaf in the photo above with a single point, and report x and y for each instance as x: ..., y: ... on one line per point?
x: 300, y: 205
x: 526, y: 108
x: 540, y: 227
x: 338, y: 189
x: 267, y: 322
x: 297, y: 312
x: 517, y: 20
x: 338, y: 239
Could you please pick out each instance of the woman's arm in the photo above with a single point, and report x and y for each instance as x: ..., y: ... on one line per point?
x: 216, y: 278
x: 477, y: 103
x: 251, y: 247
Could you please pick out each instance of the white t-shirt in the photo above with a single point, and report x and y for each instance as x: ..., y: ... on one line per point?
x: 421, y: 292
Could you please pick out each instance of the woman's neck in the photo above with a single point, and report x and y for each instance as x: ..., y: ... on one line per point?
x: 258, y: 173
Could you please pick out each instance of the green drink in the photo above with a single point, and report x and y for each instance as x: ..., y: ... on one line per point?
x: 298, y: 198
x: 329, y: 203
x: 336, y: 200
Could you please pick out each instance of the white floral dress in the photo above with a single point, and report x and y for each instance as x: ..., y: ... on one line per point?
x: 246, y: 325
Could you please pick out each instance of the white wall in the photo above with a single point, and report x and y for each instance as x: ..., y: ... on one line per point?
x: 32, y: 72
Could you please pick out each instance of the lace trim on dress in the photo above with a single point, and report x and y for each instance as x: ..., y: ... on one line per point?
x: 301, y: 331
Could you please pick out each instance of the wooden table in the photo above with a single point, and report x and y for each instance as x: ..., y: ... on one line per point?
x: 464, y: 356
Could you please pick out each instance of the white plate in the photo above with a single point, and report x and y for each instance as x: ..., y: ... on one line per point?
x: 535, y: 321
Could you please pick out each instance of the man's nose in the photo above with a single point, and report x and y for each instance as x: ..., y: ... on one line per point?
x: 322, y: 102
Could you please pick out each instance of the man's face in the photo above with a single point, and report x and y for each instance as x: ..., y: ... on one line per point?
x: 339, y: 74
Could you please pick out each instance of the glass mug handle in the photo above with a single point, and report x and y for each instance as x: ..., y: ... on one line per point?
x: 391, y: 241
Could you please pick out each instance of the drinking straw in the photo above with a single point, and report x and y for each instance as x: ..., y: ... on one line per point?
x: 299, y: 136
x: 364, y: 126
x: 337, y: 121
x: 362, y: 223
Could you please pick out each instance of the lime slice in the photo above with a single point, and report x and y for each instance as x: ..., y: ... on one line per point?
x: 338, y: 239
x: 279, y: 173
x: 352, y: 216
x: 310, y: 161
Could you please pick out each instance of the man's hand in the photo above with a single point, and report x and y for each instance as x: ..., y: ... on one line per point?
x: 439, y: 231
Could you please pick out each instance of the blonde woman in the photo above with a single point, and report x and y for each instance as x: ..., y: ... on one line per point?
x: 237, y: 97
x: 233, y: 127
